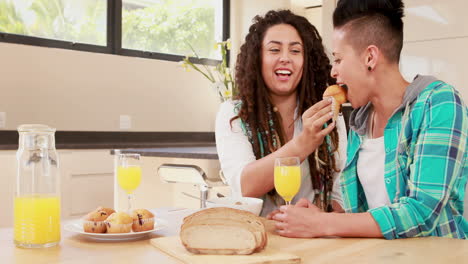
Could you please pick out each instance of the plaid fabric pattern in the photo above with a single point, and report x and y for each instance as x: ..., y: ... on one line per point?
x: 426, y: 168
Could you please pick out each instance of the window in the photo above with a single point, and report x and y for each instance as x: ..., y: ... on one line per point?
x: 161, y: 29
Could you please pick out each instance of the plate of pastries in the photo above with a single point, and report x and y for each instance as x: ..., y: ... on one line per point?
x: 107, y: 224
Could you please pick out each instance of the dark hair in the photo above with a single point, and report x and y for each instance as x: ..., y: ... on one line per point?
x: 372, y: 22
x: 256, y: 111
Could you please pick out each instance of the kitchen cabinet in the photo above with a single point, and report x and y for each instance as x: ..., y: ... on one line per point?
x: 7, y: 188
x: 86, y: 181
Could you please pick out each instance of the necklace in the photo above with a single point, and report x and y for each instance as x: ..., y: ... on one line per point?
x: 373, y: 124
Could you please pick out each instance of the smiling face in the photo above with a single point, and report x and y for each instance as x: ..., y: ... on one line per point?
x: 349, y: 68
x: 282, y: 59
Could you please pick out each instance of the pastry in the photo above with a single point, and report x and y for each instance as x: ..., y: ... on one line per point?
x: 339, y: 97
x: 93, y: 222
x: 109, y: 211
x: 143, y: 220
x: 119, y: 222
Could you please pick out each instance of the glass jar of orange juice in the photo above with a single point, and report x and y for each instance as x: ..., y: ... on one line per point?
x: 37, y: 197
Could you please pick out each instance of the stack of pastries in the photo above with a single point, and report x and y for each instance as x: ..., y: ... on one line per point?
x: 106, y: 220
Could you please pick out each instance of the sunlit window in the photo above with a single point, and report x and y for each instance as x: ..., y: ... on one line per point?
x: 83, y: 21
x: 171, y: 26
x: 161, y: 29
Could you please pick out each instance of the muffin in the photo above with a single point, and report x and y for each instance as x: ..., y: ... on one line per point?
x: 119, y: 223
x: 143, y: 220
x: 109, y: 211
x: 93, y: 222
x: 339, y: 97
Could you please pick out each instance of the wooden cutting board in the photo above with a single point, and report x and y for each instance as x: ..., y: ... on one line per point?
x: 270, y: 255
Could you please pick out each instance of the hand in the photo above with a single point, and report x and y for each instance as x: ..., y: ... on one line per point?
x: 301, y: 203
x: 313, y: 133
x: 299, y: 221
x: 271, y: 215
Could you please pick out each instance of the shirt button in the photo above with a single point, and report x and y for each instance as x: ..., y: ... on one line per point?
x: 388, y: 181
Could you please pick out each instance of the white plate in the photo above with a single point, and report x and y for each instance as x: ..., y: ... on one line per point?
x: 77, y: 227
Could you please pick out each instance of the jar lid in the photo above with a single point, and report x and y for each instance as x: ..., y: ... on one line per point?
x: 35, y: 128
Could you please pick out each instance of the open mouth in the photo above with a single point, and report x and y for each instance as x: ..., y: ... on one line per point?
x: 283, y: 73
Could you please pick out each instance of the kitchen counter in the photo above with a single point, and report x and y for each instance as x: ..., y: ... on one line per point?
x: 190, y: 152
x: 116, y: 139
x: 77, y: 249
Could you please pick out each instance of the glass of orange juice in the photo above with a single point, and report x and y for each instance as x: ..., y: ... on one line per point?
x: 287, y: 177
x: 129, y: 174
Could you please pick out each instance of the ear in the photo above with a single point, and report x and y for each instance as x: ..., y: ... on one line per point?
x: 372, y: 56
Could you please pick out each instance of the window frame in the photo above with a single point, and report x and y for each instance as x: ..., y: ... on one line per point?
x: 114, y: 38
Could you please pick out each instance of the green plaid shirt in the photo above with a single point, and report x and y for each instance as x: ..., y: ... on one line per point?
x: 425, y: 168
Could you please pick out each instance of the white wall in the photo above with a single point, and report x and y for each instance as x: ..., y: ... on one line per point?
x: 328, y: 6
x: 74, y: 90
x: 436, y: 41
x: 298, y: 6
x: 242, y: 13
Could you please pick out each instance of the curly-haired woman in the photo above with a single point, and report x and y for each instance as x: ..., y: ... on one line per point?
x: 282, y: 72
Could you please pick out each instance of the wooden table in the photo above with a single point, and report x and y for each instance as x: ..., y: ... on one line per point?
x: 77, y: 249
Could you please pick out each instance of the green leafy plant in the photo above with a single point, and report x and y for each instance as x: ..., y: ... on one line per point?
x: 220, y: 76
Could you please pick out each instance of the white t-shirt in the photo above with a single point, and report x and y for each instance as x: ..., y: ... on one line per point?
x: 235, y: 152
x: 371, y: 168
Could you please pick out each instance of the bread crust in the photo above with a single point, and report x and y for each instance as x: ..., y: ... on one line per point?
x: 226, y: 212
x: 228, y: 216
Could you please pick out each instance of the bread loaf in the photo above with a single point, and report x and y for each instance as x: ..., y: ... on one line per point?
x: 223, y: 230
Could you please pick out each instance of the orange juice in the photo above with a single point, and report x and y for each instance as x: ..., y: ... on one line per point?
x: 37, y: 220
x: 287, y: 181
x: 129, y: 178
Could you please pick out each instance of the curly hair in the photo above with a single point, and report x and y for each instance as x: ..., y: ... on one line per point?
x: 256, y: 110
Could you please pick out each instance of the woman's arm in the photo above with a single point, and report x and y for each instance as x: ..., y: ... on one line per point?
x: 233, y: 147
x: 257, y: 176
x: 310, y: 221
